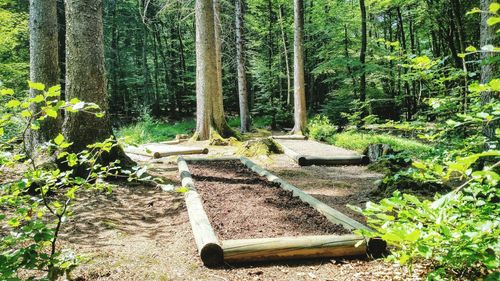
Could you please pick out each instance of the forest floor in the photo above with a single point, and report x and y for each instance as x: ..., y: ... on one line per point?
x: 143, y: 233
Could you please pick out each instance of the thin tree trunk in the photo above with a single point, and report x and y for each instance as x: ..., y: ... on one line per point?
x: 85, y: 78
x: 488, y: 69
x: 300, y: 117
x: 44, y: 64
x: 362, y: 56
x: 240, y: 58
x: 285, y: 50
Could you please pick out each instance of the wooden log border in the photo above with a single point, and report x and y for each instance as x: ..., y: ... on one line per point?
x: 308, y: 160
x: 150, y: 153
x: 214, y: 252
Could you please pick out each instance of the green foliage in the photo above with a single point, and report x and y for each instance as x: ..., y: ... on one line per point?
x: 36, y: 205
x: 360, y: 141
x: 147, y: 131
x: 320, y: 128
x: 457, y: 232
x: 14, y: 55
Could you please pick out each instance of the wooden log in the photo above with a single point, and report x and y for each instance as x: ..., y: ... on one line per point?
x: 330, y: 213
x: 187, y: 151
x: 262, y: 249
x: 308, y: 160
x: 194, y: 159
x: 290, y: 137
x: 159, y: 151
x: 209, y: 247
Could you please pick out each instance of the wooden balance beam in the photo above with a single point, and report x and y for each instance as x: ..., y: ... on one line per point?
x: 214, y: 252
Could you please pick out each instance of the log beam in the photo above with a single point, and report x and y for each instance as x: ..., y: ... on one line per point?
x: 321, y: 246
x: 209, y: 247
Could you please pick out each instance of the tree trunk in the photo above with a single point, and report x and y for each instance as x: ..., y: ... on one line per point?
x: 285, y: 51
x: 219, y: 123
x: 85, y: 78
x: 206, y: 67
x: 300, y: 117
x: 44, y: 64
x: 362, y: 56
x: 488, y: 69
x: 240, y: 58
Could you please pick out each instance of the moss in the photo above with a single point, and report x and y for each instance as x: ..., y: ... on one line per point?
x: 258, y: 147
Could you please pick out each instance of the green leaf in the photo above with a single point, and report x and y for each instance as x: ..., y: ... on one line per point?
x: 494, y: 7
x: 495, y: 85
x: 474, y: 11
x: 36, y: 86
x: 54, y: 91
x: 37, y: 99
x: 13, y: 103
x: 26, y: 113
x: 51, y: 112
x: 471, y: 49
x: 59, y: 139
x: 493, y: 20
x: 6, y: 92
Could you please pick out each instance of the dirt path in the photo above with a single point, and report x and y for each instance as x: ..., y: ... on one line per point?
x: 142, y: 233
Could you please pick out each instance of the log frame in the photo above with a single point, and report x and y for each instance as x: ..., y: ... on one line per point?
x: 214, y: 252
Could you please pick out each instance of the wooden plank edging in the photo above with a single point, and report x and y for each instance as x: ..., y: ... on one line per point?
x: 209, y: 247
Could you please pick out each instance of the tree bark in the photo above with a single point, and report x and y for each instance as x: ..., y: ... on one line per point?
x: 44, y: 64
x: 85, y: 78
x: 219, y: 123
x: 240, y: 58
x: 300, y: 117
x: 362, y: 56
x: 285, y: 51
x: 488, y: 69
x: 206, y: 67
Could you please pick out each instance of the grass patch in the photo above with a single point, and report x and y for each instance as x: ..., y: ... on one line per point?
x: 149, y: 130
x: 360, y: 141
x: 154, y: 131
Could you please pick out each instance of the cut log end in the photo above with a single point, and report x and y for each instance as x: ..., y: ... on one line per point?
x: 212, y: 255
x: 377, y: 247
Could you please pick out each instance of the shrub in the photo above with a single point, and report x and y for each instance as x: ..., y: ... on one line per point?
x: 320, y: 128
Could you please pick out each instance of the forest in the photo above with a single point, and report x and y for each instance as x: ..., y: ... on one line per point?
x: 249, y: 140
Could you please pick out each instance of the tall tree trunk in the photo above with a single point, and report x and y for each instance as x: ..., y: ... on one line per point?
x: 206, y: 67
x: 488, y: 69
x: 219, y: 123
x: 300, y: 117
x: 44, y: 64
x: 85, y: 78
x: 240, y: 58
x: 362, y: 56
x: 285, y: 51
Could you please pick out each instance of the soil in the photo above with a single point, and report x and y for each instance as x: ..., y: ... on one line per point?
x: 240, y: 204
x: 142, y: 233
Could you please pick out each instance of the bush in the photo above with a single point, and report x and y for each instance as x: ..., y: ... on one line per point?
x: 360, y: 141
x: 320, y: 128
